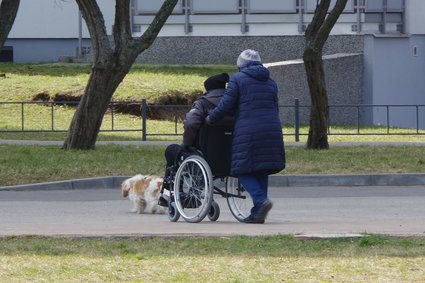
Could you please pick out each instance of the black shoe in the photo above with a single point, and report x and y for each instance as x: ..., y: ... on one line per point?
x: 253, y: 220
x: 263, y: 210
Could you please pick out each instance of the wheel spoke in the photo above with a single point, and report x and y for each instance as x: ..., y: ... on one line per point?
x: 193, y: 189
x: 240, y: 203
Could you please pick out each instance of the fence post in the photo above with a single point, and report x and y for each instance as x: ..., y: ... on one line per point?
x: 175, y: 122
x: 22, y: 116
x: 144, y: 108
x: 417, y: 119
x: 53, y: 115
x: 388, y: 119
x: 297, y: 120
x: 111, y: 104
x: 358, y: 119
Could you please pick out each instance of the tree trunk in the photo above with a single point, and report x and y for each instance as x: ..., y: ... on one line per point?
x: 316, y: 35
x: 8, y: 11
x: 88, y: 118
x: 111, y: 65
x: 317, y: 135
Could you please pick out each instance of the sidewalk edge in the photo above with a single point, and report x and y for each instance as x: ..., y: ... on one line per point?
x: 114, y: 182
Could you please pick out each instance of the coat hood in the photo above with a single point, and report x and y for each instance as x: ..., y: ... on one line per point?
x: 214, y: 95
x: 256, y: 70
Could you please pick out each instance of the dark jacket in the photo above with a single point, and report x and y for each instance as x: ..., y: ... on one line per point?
x: 196, y: 116
x: 257, y: 145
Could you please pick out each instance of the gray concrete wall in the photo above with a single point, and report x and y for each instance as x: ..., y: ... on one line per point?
x: 394, y: 75
x: 344, y: 80
x: 226, y: 49
x: 191, y: 49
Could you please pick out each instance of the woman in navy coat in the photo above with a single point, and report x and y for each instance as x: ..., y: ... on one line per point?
x: 257, y: 147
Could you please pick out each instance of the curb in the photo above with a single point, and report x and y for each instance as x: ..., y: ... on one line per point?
x: 403, y: 179
x: 77, y: 184
x: 114, y: 182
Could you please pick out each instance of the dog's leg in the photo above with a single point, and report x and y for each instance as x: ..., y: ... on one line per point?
x: 134, y: 209
x: 141, y: 205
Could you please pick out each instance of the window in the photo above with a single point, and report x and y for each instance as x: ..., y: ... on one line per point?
x: 271, y: 6
x: 215, y: 7
x: 311, y: 6
x: 6, y: 54
x: 153, y: 6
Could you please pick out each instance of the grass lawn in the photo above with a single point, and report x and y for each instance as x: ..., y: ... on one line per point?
x: 156, y: 83
x: 236, y: 259
x: 152, y: 82
x: 159, y: 84
x: 49, y: 163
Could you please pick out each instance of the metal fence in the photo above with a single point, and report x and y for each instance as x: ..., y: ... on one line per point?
x: 177, y: 114
x: 361, y: 110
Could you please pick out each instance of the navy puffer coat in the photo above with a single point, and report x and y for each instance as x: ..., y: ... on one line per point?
x: 257, y: 145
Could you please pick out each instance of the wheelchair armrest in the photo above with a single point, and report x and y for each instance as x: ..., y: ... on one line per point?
x: 225, y: 121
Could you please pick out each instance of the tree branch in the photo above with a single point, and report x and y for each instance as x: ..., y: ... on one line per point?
x: 122, y: 29
x: 8, y: 11
x: 329, y: 23
x: 154, y: 28
x: 96, y: 25
x: 319, y: 17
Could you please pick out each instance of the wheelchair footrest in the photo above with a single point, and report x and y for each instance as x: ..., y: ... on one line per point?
x: 163, y: 200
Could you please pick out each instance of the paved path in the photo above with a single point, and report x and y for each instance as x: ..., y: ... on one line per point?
x: 301, y: 210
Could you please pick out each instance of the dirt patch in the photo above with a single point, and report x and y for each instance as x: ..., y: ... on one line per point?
x: 160, y: 109
x: 42, y: 96
x: 58, y: 97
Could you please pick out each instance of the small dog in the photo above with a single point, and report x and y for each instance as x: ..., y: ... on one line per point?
x: 143, y: 191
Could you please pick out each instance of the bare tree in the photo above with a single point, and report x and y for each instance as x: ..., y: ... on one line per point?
x: 111, y: 63
x: 8, y: 11
x: 316, y: 35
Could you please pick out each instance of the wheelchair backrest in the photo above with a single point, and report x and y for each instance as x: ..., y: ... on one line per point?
x: 215, y: 143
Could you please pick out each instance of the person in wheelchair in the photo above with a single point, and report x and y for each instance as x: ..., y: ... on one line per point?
x: 257, y: 144
x: 175, y: 153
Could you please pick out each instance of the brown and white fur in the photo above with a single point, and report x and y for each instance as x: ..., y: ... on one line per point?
x: 143, y: 191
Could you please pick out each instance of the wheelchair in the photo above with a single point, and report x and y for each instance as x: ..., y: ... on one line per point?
x: 199, y: 174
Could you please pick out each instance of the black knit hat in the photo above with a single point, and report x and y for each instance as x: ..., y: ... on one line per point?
x: 216, y: 82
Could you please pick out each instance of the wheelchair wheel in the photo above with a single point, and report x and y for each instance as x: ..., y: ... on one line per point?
x: 214, y: 212
x: 240, y: 203
x: 173, y: 213
x: 193, y: 189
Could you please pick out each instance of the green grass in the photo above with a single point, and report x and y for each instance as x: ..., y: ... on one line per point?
x: 152, y: 82
x: 237, y: 259
x: 49, y: 163
x: 39, y: 117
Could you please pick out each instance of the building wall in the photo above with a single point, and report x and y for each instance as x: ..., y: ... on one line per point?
x: 264, y: 17
x: 190, y: 50
x: 46, y: 30
x: 395, y: 75
x: 226, y: 49
x: 43, y: 50
x: 415, y: 20
x: 48, y: 19
x: 274, y: 27
x: 344, y: 79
